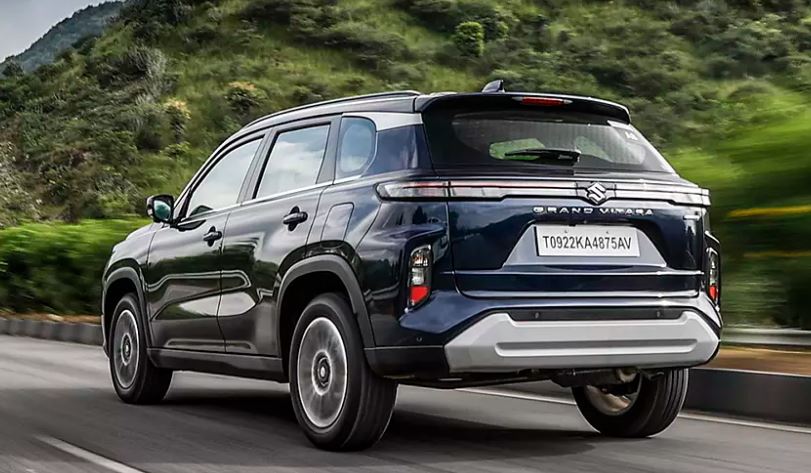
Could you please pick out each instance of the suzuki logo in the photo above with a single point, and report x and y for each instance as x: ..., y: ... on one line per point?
x: 596, y: 193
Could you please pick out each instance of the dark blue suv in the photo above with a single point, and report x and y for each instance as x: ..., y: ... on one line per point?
x: 444, y: 240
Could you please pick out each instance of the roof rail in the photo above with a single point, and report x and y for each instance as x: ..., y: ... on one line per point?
x: 378, y: 95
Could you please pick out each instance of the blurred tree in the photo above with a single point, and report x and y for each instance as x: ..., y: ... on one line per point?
x: 12, y: 69
x: 469, y: 38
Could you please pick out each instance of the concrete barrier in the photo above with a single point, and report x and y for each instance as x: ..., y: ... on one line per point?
x: 765, y: 396
x: 779, y: 397
x: 88, y: 334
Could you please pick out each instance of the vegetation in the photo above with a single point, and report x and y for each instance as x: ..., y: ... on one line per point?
x: 57, y: 268
x: 85, y: 24
x: 721, y: 86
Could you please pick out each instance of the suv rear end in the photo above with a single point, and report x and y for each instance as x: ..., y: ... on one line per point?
x: 570, y: 251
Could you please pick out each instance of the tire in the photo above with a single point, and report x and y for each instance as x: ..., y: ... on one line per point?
x: 339, y: 402
x: 135, y: 378
x: 658, y: 400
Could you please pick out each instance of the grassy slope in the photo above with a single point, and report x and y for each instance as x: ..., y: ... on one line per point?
x: 722, y: 90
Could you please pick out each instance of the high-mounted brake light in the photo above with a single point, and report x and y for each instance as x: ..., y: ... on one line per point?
x: 713, y: 275
x: 545, y: 101
x: 419, y: 275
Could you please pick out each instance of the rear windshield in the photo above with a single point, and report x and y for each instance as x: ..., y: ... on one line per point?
x: 497, y: 138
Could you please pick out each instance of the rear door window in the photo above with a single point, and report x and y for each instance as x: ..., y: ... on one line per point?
x: 295, y: 160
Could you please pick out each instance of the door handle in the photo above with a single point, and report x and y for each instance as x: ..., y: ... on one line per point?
x: 295, y: 217
x: 212, y: 236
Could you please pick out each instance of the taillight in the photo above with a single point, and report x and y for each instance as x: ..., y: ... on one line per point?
x: 414, y: 190
x: 713, y: 275
x: 419, y: 275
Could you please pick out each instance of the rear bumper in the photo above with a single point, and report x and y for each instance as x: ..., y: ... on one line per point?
x: 497, y: 343
x: 456, y: 335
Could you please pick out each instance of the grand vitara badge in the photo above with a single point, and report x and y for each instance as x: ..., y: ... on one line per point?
x: 619, y: 211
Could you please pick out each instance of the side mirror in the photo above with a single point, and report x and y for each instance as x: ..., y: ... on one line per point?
x: 160, y: 208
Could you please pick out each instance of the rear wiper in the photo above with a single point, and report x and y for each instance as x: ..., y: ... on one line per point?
x: 558, y: 156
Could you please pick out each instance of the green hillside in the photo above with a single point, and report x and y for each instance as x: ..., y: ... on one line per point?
x: 86, y: 23
x: 722, y: 87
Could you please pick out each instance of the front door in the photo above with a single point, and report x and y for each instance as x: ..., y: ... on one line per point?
x: 183, y: 280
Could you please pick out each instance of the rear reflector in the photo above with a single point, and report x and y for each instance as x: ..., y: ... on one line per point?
x: 417, y: 294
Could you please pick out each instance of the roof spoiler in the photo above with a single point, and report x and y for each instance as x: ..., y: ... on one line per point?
x: 494, y: 96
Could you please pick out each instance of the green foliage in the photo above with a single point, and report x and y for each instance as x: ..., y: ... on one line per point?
x: 57, y: 267
x: 244, y: 96
x: 469, y: 38
x: 12, y: 68
x: 759, y: 174
x: 446, y: 15
x: 179, y: 116
x: 721, y: 86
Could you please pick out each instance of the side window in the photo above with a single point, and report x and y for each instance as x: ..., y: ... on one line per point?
x: 398, y: 149
x: 294, y: 161
x: 356, y: 147
x: 220, y: 187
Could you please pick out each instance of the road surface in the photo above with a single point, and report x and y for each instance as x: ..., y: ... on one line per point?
x: 58, y: 413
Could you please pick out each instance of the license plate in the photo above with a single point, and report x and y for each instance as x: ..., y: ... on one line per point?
x: 557, y: 240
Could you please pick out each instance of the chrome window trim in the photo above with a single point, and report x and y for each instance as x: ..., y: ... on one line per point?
x: 284, y: 194
x: 388, y: 120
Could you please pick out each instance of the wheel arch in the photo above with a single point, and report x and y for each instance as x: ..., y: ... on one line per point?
x: 118, y: 283
x: 331, y: 273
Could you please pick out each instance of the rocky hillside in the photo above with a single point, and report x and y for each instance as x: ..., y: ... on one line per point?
x: 87, y: 23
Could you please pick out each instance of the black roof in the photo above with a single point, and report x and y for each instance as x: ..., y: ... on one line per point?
x: 409, y: 101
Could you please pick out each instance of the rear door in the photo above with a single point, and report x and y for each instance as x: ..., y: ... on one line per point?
x: 269, y: 232
x: 550, y: 202
x: 183, y: 271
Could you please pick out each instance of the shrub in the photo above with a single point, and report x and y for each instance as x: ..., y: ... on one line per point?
x: 469, y: 38
x: 57, y: 267
x: 13, y: 69
x: 445, y: 15
x: 16, y: 203
x: 370, y: 45
x: 179, y: 115
x: 244, y: 96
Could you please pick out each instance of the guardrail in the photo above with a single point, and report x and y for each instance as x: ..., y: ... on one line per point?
x: 767, y: 337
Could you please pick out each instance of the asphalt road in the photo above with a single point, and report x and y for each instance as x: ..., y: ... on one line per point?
x: 58, y: 413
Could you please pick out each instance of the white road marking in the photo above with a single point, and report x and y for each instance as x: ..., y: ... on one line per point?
x: 684, y: 415
x: 515, y: 395
x: 88, y: 456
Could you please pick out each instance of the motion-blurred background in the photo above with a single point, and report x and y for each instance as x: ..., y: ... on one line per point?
x: 126, y: 99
